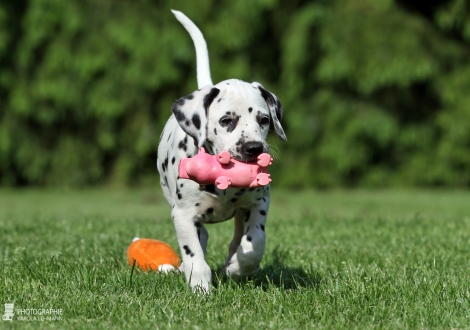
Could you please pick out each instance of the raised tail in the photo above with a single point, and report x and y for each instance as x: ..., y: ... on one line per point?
x: 202, y: 56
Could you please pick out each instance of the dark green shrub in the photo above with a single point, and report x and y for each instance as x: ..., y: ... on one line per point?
x: 375, y: 93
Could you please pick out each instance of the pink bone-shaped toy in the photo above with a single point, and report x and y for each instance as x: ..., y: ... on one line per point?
x: 224, y: 171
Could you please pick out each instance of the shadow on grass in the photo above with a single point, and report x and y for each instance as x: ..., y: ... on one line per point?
x: 275, y: 273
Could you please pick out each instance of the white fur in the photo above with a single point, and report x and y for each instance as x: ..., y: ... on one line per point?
x: 202, y: 56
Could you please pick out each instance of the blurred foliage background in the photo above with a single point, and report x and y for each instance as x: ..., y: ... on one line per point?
x: 376, y: 93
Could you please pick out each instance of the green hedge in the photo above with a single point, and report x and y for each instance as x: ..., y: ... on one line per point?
x: 375, y: 92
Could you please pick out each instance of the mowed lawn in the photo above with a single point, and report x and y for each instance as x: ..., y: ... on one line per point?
x: 337, y: 260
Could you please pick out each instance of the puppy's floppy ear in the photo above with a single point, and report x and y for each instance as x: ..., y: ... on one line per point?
x: 275, y: 108
x: 191, y: 112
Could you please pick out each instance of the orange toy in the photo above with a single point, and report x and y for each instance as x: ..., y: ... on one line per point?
x: 152, y: 254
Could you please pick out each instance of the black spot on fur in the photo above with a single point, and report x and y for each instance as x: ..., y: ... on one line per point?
x: 180, y: 102
x: 219, y: 100
x: 209, y: 98
x: 187, y: 122
x: 250, y: 109
x: 278, y: 110
x: 248, y: 238
x: 178, y: 113
x: 262, y: 227
x: 183, y: 144
x: 233, y: 200
x: 264, y: 199
x: 247, y: 229
x: 195, y: 141
x: 197, y: 224
x: 181, y: 185
x: 196, y: 121
x: 247, y: 216
x: 262, y: 212
x: 272, y: 102
x: 178, y: 193
x: 169, y: 136
x: 262, y: 119
x: 229, y: 121
x: 173, y: 160
x: 210, y: 188
x: 188, y: 251
x: 267, y: 96
x: 197, y: 204
x: 189, y: 97
x: 215, y: 131
x: 210, y: 210
x: 240, y: 192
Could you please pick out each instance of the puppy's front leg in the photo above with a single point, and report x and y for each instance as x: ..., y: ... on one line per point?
x: 196, y: 270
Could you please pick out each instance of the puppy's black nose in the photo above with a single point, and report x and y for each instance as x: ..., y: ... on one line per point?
x: 253, y: 149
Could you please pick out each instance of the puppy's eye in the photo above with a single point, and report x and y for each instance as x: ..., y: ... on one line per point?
x: 264, y: 121
x: 225, y: 121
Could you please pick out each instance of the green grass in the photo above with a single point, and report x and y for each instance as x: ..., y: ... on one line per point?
x: 338, y: 260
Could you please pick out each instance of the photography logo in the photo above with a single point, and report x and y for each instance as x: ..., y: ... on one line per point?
x: 32, y: 314
x: 8, y: 316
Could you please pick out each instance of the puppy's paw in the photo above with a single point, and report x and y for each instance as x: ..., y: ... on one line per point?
x: 200, y: 281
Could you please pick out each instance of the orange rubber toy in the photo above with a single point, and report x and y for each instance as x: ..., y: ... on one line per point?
x: 152, y: 254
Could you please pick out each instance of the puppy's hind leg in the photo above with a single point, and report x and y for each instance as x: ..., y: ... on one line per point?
x: 247, y: 247
x: 202, y: 234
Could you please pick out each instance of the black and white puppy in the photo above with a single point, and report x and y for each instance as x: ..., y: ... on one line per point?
x: 234, y: 116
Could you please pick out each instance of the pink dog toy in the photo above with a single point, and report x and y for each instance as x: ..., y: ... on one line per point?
x: 224, y: 171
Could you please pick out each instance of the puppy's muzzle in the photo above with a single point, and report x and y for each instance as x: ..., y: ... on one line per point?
x: 251, y: 150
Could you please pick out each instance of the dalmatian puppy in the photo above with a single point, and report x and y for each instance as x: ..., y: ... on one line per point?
x: 234, y: 116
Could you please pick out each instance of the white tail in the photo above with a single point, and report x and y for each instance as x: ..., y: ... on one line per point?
x: 202, y: 56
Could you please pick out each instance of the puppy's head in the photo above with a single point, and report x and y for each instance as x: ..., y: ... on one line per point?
x: 233, y: 115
